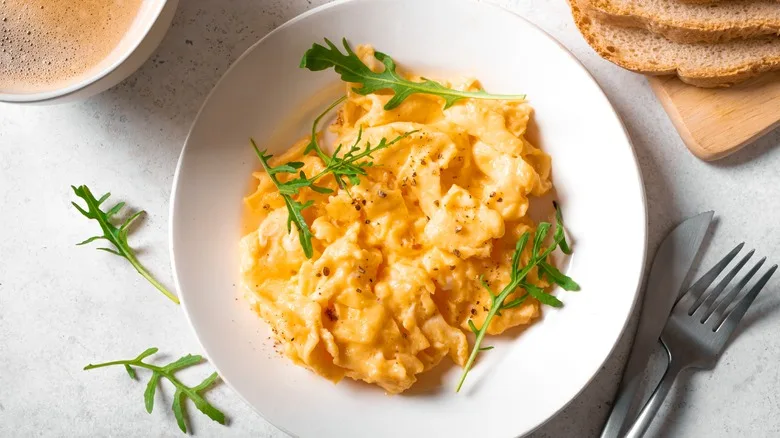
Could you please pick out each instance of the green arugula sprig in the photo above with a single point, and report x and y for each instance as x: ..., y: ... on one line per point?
x: 116, y: 235
x: 182, y: 391
x: 517, y: 279
x: 352, y: 69
x: 348, y: 167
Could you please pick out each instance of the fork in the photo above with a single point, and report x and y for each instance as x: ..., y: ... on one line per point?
x: 700, y: 326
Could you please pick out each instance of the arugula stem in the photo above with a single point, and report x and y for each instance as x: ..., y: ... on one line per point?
x: 420, y: 87
x: 138, y: 363
x: 144, y: 273
x: 313, y: 142
x: 483, y: 330
x: 108, y: 364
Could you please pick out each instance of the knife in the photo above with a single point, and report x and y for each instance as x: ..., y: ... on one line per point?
x: 670, y: 269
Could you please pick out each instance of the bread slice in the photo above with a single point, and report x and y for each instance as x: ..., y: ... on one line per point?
x: 703, y: 65
x: 703, y: 2
x: 691, y: 23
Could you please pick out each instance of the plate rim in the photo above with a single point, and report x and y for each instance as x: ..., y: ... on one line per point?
x: 336, y: 3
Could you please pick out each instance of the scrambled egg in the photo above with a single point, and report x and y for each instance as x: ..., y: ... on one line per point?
x: 395, y: 274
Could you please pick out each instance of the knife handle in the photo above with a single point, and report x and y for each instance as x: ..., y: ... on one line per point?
x: 624, y: 410
x: 647, y: 415
x: 623, y: 406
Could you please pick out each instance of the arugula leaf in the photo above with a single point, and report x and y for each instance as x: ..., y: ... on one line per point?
x: 559, y: 232
x: 346, y: 169
x: 288, y: 190
x: 182, y: 391
x: 116, y: 236
x: 542, y: 296
x: 558, y: 277
x: 352, y: 69
x: 517, y: 280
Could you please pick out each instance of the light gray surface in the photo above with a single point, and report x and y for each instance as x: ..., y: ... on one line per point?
x: 62, y: 307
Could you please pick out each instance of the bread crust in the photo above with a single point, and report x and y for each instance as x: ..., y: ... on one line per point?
x: 702, y: 77
x: 679, y: 29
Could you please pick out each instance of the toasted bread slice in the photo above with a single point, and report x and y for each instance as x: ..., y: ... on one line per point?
x: 700, y: 64
x: 691, y: 23
x: 703, y: 2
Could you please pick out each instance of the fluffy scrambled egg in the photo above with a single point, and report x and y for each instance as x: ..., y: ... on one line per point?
x: 397, y: 258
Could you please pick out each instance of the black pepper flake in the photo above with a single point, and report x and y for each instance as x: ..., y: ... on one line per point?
x: 452, y: 267
x: 382, y: 194
x: 361, y: 270
x: 473, y: 311
x: 477, y: 301
x: 368, y: 221
x: 436, y: 203
x: 357, y: 207
x: 492, y: 194
x: 414, y: 183
x: 428, y: 217
x: 500, y: 200
x: 326, y: 271
x: 292, y: 339
x: 363, y: 202
x: 440, y: 156
x: 331, y: 314
x: 358, y: 290
x: 414, y: 174
x: 266, y: 206
x: 423, y: 162
x: 485, y: 308
x: 319, y: 275
x: 456, y: 252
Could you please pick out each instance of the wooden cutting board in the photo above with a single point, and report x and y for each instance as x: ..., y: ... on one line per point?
x: 714, y: 123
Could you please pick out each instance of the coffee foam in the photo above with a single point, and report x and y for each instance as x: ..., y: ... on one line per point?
x: 46, y: 44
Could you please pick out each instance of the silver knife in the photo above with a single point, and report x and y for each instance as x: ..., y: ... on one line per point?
x: 670, y: 268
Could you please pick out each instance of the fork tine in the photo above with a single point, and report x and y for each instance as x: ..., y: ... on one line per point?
x: 691, y: 297
x: 720, y: 310
x: 707, y: 304
x: 730, y: 322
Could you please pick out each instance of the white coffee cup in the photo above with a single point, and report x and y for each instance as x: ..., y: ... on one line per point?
x: 145, y: 34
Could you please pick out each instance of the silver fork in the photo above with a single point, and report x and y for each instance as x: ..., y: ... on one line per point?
x: 699, y: 327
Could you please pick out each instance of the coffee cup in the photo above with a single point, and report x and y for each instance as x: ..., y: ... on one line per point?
x: 40, y: 74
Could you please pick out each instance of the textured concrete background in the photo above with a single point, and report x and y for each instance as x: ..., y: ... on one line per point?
x: 62, y: 307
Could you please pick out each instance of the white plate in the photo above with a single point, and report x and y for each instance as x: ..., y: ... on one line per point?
x: 527, y: 378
